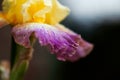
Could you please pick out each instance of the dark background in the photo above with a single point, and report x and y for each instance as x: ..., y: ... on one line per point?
x: 102, y: 64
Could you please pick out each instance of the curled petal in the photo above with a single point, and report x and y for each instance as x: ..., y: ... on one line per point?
x: 67, y: 46
x: 42, y: 11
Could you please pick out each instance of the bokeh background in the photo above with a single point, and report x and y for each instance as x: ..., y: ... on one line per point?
x: 98, y: 21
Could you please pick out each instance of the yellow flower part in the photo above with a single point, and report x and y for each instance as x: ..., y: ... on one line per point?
x: 41, y: 11
x: 3, y: 21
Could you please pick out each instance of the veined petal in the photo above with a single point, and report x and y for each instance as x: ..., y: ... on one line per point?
x: 67, y: 46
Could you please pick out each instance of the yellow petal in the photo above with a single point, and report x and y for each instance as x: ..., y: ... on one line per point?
x: 58, y: 13
x: 38, y: 10
x: 3, y: 21
x: 41, y: 11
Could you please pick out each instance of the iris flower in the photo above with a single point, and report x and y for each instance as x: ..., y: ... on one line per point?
x: 41, y: 19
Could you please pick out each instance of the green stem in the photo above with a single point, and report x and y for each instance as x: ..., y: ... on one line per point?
x: 20, y: 58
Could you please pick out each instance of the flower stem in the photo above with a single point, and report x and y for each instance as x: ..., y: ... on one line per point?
x: 20, y: 58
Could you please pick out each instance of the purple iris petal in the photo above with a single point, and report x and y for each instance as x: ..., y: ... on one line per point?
x: 67, y: 46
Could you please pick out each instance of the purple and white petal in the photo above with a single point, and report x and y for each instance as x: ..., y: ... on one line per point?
x: 67, y: 46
